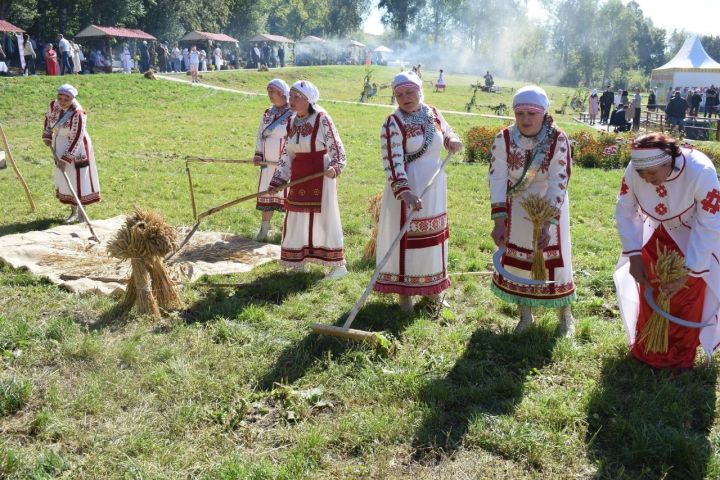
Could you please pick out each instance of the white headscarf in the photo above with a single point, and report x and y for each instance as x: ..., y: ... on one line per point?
x: 531, y: 99
x: 68, y: 89
x: 642, y: 158
x: 308, y: 90
x: 280, y: 85
x: 404, y: 79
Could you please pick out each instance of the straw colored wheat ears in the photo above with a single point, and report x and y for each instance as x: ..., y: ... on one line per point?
x: 669, y: 268
x: 539, y: 212
x: 144, y: 240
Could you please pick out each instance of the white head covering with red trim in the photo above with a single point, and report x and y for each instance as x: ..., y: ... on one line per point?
x: 308, y: 90
x: 406, y: 79
x: 642, y: 158
x: 280, y: 85
x: 67, y: 89
x: 531, y: 99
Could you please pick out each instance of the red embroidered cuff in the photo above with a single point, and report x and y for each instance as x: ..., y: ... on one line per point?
x: 498, y: 210
x: 66, y: 158
x: 400, y: 186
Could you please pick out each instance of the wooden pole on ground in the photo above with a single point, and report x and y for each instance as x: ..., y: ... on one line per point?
x: 17, y: 172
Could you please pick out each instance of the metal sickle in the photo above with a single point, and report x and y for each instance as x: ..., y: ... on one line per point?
x: 651, y: 301
x: 497, y: 263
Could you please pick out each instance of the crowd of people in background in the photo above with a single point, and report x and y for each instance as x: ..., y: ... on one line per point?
x: 623, y: 112
x: 65, y: 56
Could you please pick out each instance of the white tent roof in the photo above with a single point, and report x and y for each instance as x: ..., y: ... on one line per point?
x: 692, y: 55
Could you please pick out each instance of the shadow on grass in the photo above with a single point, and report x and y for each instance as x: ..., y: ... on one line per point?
x: 268, y: 289
x: 489, y: 379
x: 31, y: 226
x: 299, y: 357
x: 649, y: 424
x: 113, y: 318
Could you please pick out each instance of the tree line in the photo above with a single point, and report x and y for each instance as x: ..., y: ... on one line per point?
x: 593, y: 42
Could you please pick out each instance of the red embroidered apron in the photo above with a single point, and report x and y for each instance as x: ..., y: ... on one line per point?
x: 307, y: 196
x: 686, y: 304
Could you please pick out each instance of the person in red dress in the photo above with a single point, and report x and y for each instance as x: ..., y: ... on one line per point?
x: 52, y: 67
x: 669, y: 199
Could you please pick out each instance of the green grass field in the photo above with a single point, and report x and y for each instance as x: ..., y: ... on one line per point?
x: 236, y: 387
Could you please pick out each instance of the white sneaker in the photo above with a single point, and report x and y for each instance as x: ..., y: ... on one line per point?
x: 263, y: 232
x: 406, y: 303
x: 526, y: 319
x: 336, y: 273
x: 567, y: 322
x: 299, y: 268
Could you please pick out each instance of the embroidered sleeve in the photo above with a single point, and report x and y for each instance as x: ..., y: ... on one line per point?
x: 73, y: 152
x: 283, y: 169
x: 393, y: 156
x: 559, y: 174
x: 47, y: 126
x: 704, y: 238
x: 333, y: 144
x: 498, y: 178
x: 629, y: 219
x: 259, y: 140
x: 447, y: 131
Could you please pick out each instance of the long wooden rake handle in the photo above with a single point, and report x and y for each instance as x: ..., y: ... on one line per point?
x: 388, y: 254
x: 77, y: 199
x: 15, y: 169
x: 225, y: 160
x: 219, y: 208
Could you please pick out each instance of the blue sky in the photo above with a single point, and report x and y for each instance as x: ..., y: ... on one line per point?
x: 695, y: 16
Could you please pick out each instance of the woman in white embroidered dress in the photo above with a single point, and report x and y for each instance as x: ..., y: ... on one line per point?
x: 312, y: 232
x: 411, y: 140
x: 532, y: 156
x: 269, y: 146
x: 66, y: 132
x: 669, y: 199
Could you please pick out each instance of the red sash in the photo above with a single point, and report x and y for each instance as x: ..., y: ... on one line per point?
x: 307, y: 196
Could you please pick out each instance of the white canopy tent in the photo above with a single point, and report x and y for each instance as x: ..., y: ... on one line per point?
x: 690, y: 67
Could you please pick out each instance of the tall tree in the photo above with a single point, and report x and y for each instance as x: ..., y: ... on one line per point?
x: 399, y: 14
x: 345, y: 16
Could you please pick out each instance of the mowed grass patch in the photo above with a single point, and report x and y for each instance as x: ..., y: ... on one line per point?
x: 236, y: 386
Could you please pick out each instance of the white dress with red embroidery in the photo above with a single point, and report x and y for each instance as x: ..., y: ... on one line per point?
x: 550, y: 181
x: 419, y: 265
x: 687, y: 206
x: 269, y: 146
x: 73, y: 146
x: 313, y: 237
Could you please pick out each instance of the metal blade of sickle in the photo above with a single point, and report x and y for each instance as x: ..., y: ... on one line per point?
x: 497, y: 263
x: 651, y: 301
x: 231, y: 203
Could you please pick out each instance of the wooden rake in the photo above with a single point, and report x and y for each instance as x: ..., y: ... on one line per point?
x: 15, y: 169
x: 189, y: 160
x: 232, y: 203
x: 78, y: 204
x: 373, y: 338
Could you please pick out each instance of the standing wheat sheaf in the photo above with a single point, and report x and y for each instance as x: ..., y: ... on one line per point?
x: 144, y: 240
x: 539, y: 212
x: 374, y: 203
x: 668, y: 268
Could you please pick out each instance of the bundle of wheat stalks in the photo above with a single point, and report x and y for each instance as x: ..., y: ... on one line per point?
x: 374, y: 211
x: 669, y: 267
x: 144, y: 240
x: 540, y: 211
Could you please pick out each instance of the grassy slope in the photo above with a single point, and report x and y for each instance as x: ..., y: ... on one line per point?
x: 235, y: 387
